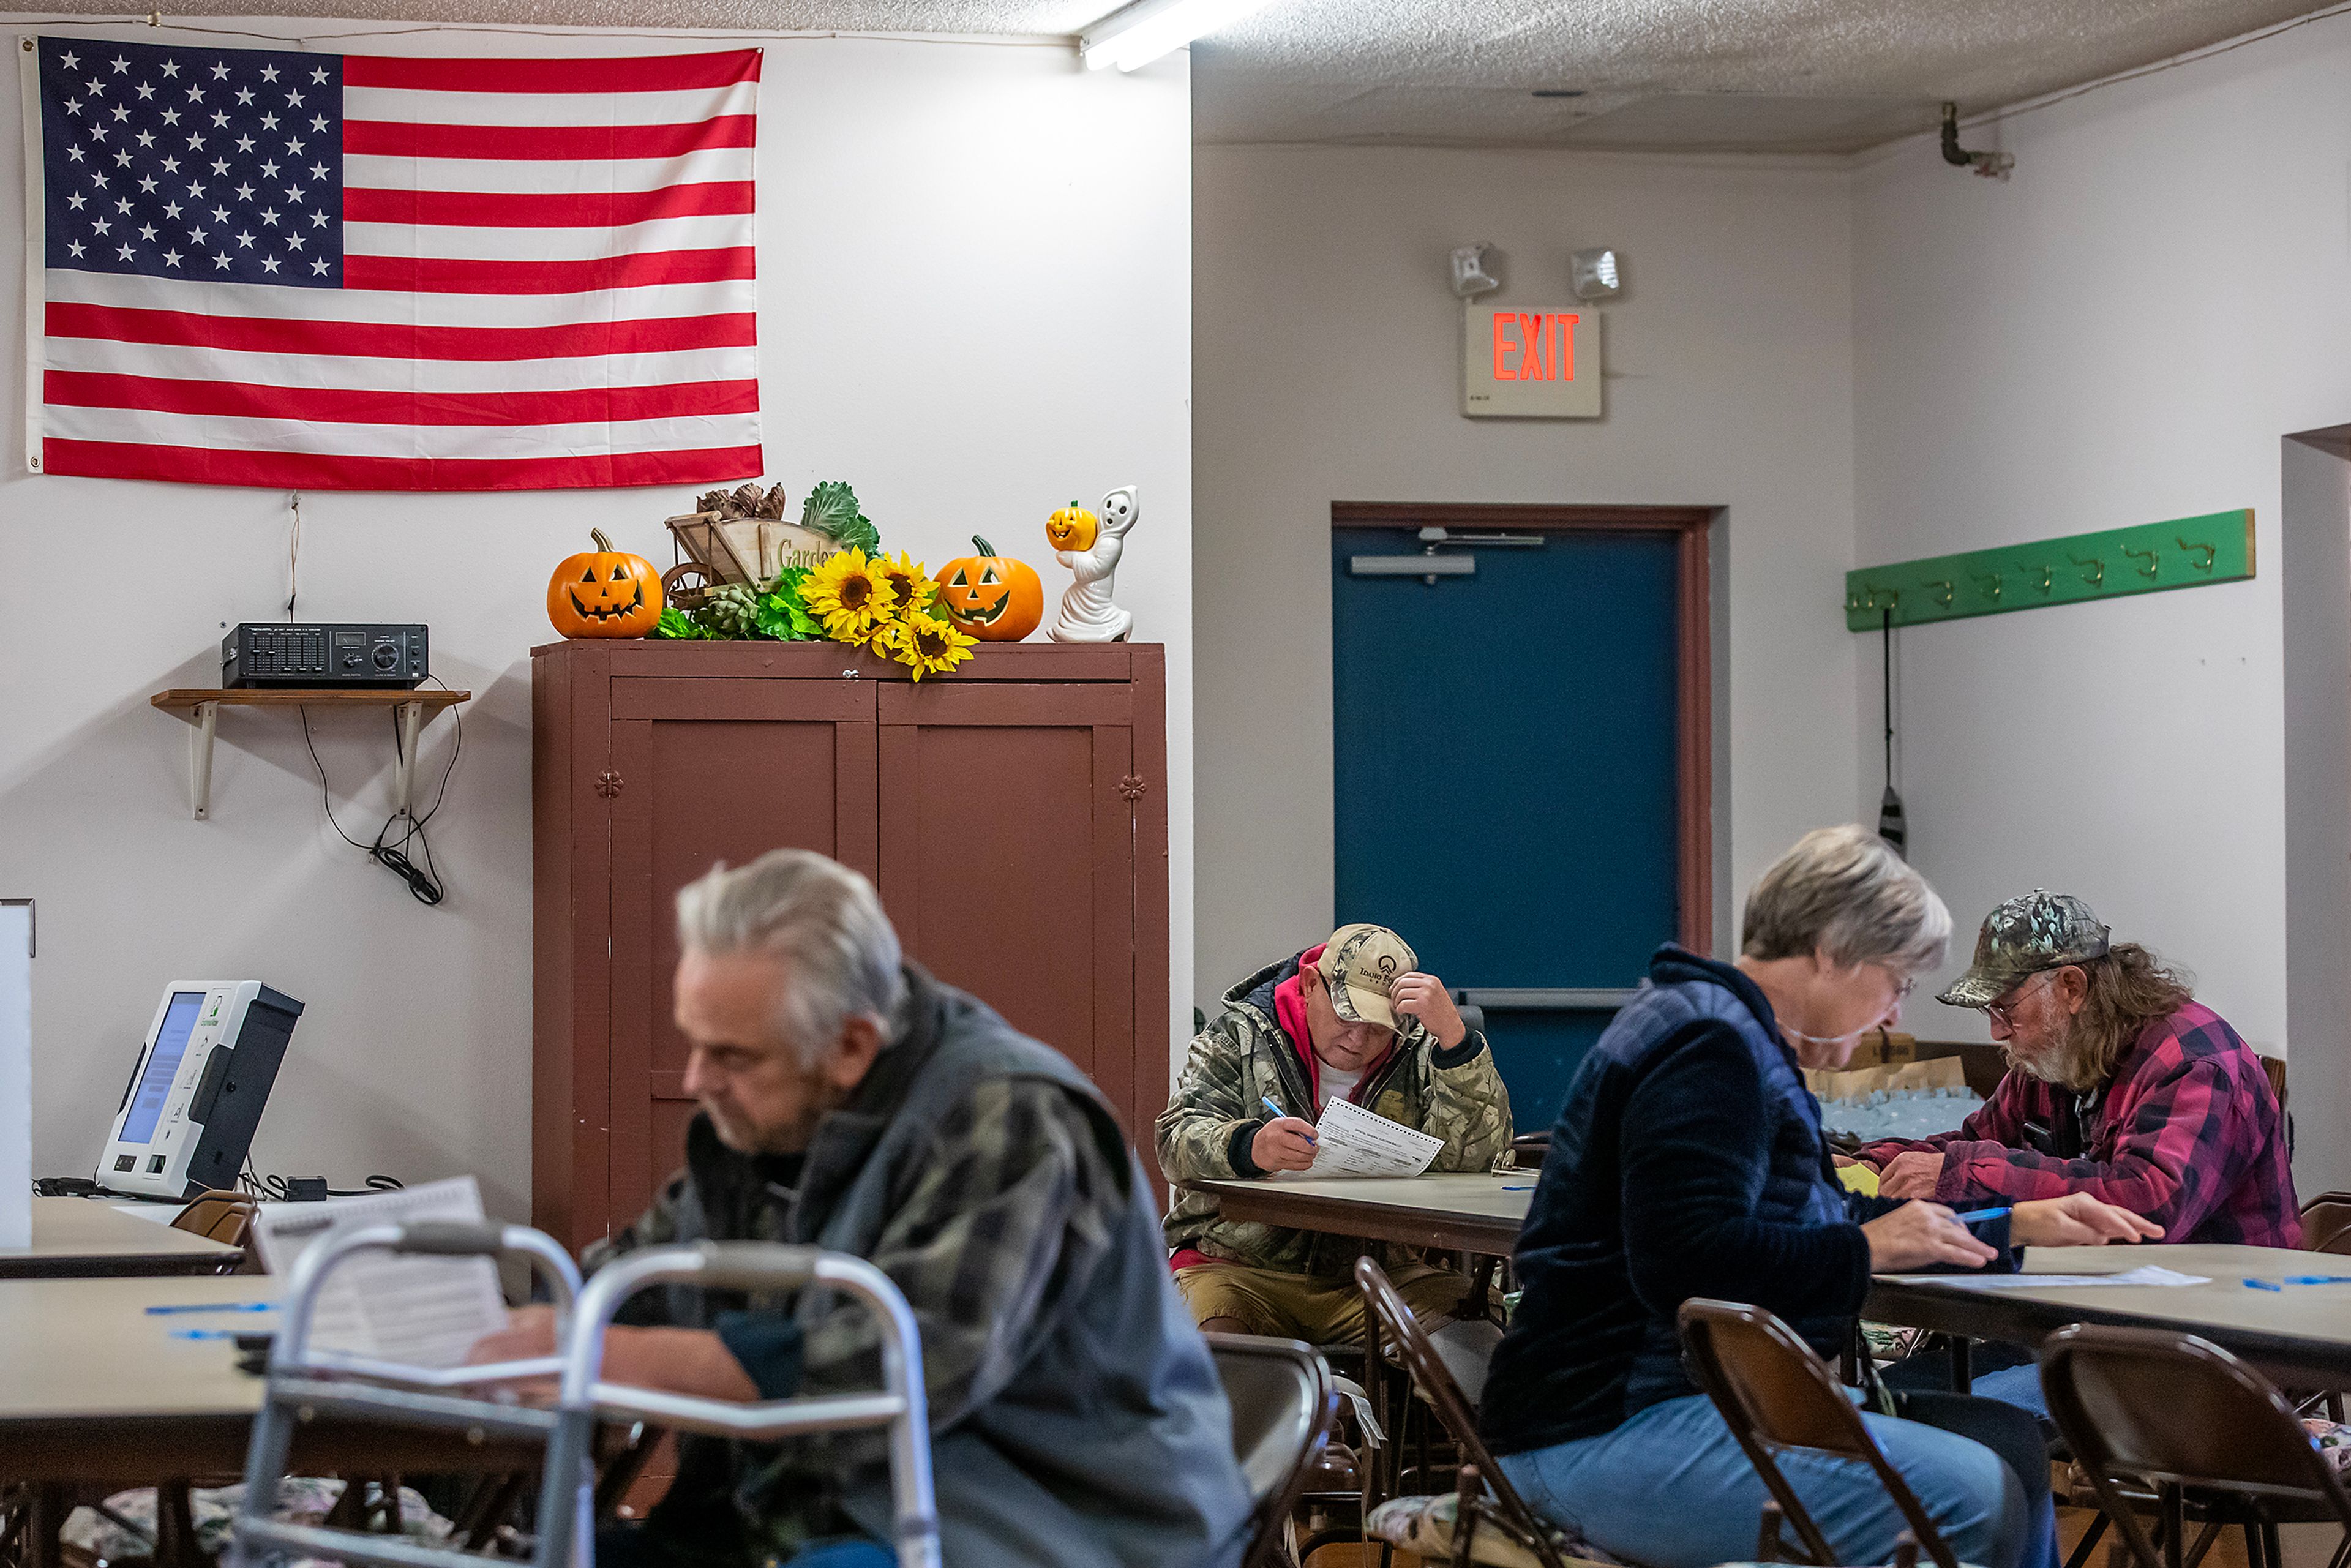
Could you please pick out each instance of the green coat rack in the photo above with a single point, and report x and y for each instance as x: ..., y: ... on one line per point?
x: 2189, y: 552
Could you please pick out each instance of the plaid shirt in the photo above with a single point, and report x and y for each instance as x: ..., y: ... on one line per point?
x: 1013, y: 1207
x: 2187, y: 1133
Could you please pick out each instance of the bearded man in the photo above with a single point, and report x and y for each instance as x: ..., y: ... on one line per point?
x: 2120, y: 1084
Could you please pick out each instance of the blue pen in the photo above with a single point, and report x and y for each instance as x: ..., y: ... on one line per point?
x: 2263, y: 1285
x: 207, y: 1333
x: 1279, y: 1114
x: 1975, y: 1215
x: 1508, y: 1188
x: 215, y: 1307
x: 2318, y: 1278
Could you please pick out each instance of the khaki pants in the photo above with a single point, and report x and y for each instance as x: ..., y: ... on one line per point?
x: 1317, y: 1309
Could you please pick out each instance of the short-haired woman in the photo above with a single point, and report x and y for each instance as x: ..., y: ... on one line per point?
x: 1689, y: 1161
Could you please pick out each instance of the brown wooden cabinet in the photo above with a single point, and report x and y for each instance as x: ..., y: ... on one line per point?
x: 1014, y: 816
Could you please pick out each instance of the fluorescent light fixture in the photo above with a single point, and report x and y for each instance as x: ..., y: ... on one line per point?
x: 1136, y: 35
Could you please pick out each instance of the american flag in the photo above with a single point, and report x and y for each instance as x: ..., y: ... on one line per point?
x: 391, y: 273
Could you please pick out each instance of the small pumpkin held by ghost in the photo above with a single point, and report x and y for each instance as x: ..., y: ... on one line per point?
x: 994, y: 598
x: 1071, y: 528
x: 606, y: 593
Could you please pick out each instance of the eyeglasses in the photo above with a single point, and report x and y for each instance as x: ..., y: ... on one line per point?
x: 2003, y: 1012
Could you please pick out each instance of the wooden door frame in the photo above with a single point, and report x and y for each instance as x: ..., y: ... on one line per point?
x: 1693, y: 661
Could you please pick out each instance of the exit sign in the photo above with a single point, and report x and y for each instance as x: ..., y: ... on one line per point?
x: 1530, y: 363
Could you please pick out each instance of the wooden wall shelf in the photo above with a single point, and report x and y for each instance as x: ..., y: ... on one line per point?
x: 201, y: 707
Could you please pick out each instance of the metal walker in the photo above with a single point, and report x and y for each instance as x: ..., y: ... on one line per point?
x: 305, y: 1381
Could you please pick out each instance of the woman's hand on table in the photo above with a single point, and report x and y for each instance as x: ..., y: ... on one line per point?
x: 1284, y: 1145
x: 1920, y: 1235
x: 2076, y: 1220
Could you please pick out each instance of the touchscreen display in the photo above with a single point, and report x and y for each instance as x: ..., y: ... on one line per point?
x: 162, y: 1066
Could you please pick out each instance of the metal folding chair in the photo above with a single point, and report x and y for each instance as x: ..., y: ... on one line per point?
x: 305, y: 1381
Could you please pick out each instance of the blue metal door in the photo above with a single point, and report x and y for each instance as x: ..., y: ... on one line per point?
x: 1505, y: 776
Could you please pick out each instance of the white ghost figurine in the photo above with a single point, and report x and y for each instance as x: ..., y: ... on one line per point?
x: 1087, y: 614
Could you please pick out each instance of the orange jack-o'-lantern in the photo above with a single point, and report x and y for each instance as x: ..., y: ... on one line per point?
x: 1071, y: 528
x: 994, y: 598
x: 608, y: 593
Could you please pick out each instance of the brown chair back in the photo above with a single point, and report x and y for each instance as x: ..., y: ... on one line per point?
x: 1775, y: 1393
x: 2326, y: 1224
x: 2177, y: 1411
x: 216, y: 1216
x: 1386, y: 1315
x: 1283, y: 1404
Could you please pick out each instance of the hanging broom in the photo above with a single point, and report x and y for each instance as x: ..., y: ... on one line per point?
x: 1891, y: 826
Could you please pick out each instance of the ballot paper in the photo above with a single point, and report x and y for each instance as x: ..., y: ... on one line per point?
x: 1353, y: 1142
x: 421, y: 1311
x: 2148, y: 1274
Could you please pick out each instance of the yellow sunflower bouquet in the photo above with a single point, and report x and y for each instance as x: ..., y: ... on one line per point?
x: 910, y: 581
x: 850, y: 596
x: 926, y: 644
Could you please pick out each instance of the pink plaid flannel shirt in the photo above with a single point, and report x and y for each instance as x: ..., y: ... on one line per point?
x: 2188, y: 1134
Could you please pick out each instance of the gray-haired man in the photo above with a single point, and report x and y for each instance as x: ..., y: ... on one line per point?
x: 850, y: 1100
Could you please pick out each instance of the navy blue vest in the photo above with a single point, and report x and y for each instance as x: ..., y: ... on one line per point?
x: 1585, y: 1350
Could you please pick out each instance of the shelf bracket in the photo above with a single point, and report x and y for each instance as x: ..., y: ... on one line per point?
x: 411, y: 721
x: 200, y: 758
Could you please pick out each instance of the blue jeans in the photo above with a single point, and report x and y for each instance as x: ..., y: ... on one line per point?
x: 2017, y: 1385
x: 1672, y: 1488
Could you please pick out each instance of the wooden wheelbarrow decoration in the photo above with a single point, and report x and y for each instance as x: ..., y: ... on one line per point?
x: 736, y: 537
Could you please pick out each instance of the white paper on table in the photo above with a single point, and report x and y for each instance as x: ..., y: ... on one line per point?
x: 424, y: 1311
x: 2147, y: 1274
x: 1351, y: 1140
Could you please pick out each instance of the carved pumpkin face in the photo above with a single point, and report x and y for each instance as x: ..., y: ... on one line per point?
x: 992, y: 596
x: 608, y: 593
x: 1072, y: 527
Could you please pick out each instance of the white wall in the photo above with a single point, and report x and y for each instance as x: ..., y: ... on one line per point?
x: 2120, y: 334
x: 975, y: 285
x: 1327, y: 361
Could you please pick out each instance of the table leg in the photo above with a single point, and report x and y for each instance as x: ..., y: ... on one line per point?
x: 176, y: 1527
x: 1962, y: 1368
x: 45, y: 1515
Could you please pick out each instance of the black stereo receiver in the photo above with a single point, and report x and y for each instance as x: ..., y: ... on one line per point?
x: 310, y: 653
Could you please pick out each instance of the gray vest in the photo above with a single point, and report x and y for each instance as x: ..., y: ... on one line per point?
x: 1113, y: 1446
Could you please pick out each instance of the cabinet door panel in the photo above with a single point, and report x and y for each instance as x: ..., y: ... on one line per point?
x: 791, y: 764
x: 1007, y: 859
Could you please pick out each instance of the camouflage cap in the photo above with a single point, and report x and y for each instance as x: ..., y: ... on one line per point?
x: 2039, y: 931
x: 1359, y: 964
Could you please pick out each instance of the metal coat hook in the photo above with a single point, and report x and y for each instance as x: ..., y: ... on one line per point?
x: 2209, y: 552
x: 1944, y: 598
x: 2096, y: 576
x: 2152, y: 560
x: 1991, y: 593
x: 2048, y: 576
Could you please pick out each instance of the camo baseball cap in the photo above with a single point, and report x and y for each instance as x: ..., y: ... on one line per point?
x: 2042, y: 930
x: 1359, y: 964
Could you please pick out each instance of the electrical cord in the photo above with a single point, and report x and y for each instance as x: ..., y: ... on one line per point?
x: 393, y: 853
x: 275, y: 1188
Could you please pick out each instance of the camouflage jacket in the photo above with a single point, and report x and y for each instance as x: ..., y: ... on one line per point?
x: 1245, y: 1056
